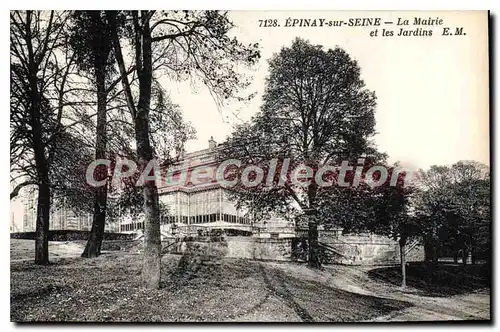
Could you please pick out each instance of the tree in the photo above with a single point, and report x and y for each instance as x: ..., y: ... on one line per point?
x: 454, y: 205
x: 179, y: 44
x: 91, y: 41
x: 40, y: 75
x: 384, y: 209
x: 316, y: 111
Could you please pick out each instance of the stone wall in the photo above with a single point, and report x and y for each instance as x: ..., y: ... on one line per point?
x: 260, y: 248
x: 335, y: 249
x: 240, y: 247
x: 365, y: 249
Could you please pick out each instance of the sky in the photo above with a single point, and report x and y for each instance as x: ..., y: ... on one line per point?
x: 432, y: 92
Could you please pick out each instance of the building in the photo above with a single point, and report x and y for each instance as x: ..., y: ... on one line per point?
x: 23, y: 215
x: 192, y: 208
x: 200, y: 207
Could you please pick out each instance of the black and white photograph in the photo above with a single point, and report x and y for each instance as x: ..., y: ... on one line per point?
x: 284, y: 166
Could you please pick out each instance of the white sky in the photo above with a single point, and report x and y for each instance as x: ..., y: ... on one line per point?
x: 432, y: 91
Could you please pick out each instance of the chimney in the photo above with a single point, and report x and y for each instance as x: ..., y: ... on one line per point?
x: 211, y: 143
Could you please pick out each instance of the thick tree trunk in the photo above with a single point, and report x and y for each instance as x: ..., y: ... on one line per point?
x: 93, y: 247
x: 42, y: 224
x: 313, y: 258
x: 312, y: 214
x: 402, y: 252
x: 151, y: 269
x: 431, y: 248
x: 43, y: 204
x: 152, y: 238
x: 143, y: 58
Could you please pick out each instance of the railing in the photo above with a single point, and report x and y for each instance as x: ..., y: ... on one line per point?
x: 411, y: 247
x: 165, y: 250
x: 329, y: 248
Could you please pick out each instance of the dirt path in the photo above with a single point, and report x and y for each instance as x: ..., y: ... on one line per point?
x: 475, y: 305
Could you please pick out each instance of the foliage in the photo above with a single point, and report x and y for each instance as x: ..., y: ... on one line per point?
x: 57, y: 90
x: 316, y: 111
x: 197, y: 45
x: 383, y: 210
x: 90, y: 39
x: 454, y: 206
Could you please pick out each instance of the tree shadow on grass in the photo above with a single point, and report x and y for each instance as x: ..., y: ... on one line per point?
x: 196, y: 268
x: 278, y: 288
x: 213, y: 281
x: 442, y: 280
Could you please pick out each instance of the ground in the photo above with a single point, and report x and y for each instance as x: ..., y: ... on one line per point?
x: 199, y: 288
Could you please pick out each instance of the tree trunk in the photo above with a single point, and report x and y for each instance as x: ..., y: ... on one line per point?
x: 435, y: 248
x: 93, y: 247
x: 313, y: 259
x: 43, y: 204
x: 431, y: 248
x: 151, y: 269
x: 402, y: 251
x: 42, y: 224
x: 428, y: 249
x: 143, y: 57
x: 42, y: 170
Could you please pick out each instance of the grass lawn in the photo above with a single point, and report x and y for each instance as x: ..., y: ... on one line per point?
x: 197, y: 288
x: 194, y: 288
